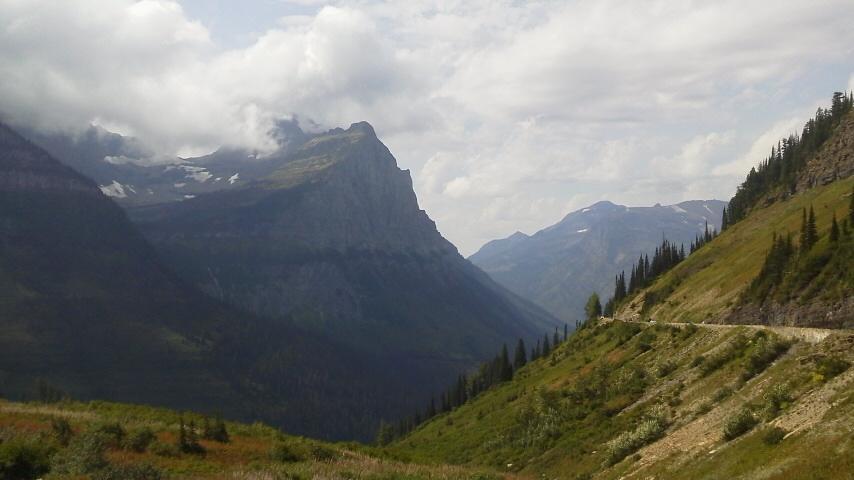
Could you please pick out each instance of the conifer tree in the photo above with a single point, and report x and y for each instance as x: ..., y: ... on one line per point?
x: 851, y: 210
x: 505, y: 370
x: 555, y: 338
x: 546, y: 347
x: 215, y: 430
x: 811, y: 230
x: 724, y: 221
x: 385, y: 434
x: 834, y: 230
x: 520, y: 358
x: 565, y: 332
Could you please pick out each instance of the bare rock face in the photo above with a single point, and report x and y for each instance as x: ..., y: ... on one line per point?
x: 819, y: 314
x: 834, y: 161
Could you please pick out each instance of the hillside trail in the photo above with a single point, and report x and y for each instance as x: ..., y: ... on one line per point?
x: 703, y: 435
x: 807, y: 334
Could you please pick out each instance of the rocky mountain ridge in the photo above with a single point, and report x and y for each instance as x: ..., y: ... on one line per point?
x: 561, y: 265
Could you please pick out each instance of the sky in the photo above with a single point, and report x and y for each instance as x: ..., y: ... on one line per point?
x: 508, y: 114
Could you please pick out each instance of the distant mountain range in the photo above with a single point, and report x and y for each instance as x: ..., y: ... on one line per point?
x: 311, y: 291
x: 561, y: 265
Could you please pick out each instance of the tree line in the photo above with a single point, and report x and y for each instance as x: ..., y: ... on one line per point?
x: 467, y: 387
x: 787, y: 159
x: 643, y: 273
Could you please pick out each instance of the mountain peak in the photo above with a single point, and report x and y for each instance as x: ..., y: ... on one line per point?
x: 362, y: 127
x: 603, y: 204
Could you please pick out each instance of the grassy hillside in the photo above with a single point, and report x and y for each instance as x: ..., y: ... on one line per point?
x: 630, y: 400
x: 117, y: 441
x: 707, y: 285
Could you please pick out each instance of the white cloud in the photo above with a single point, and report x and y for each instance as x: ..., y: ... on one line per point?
x: 530, y: 107
x: 761, y: 147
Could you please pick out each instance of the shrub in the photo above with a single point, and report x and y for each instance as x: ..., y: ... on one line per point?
x: 163, y: 449
x: 138, y: 440
x: 666, y: 368
x: 688, y: 331
x: 767, y: 350
x: 539, y: 421
x: 735, y: 348
x: 113, y: 433
x: 721, y: 394
x: 215, y: 430
x: 61, y: 430
x: 128, y: 472
x: 778, y: 398
x: 703, y: 409
x: 24, y: 458
x: 739, y: 424
x: 829, y: 367
x: 188, y: 440
x: 773, y: 436
x: 282, y: 452
x: 649, y: 429
x: 320, y: 453
x: 84, y: 455
x: 697, y: 361
x: 645, y: 340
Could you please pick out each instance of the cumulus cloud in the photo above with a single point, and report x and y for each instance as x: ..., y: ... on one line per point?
x: 508, y: 113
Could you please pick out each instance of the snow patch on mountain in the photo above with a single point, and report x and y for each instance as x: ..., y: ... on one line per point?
x: 115, y: 190
x: 199, y: 174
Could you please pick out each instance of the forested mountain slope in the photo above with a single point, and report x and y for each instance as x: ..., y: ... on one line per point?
x: 787, y: 260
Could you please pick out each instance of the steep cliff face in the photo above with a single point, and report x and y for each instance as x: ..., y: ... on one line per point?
x: 834, y: 161
x: 561, y: 265
x: 335, y: 238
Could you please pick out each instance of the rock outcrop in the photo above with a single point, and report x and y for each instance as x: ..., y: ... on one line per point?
x: 834, y: 161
